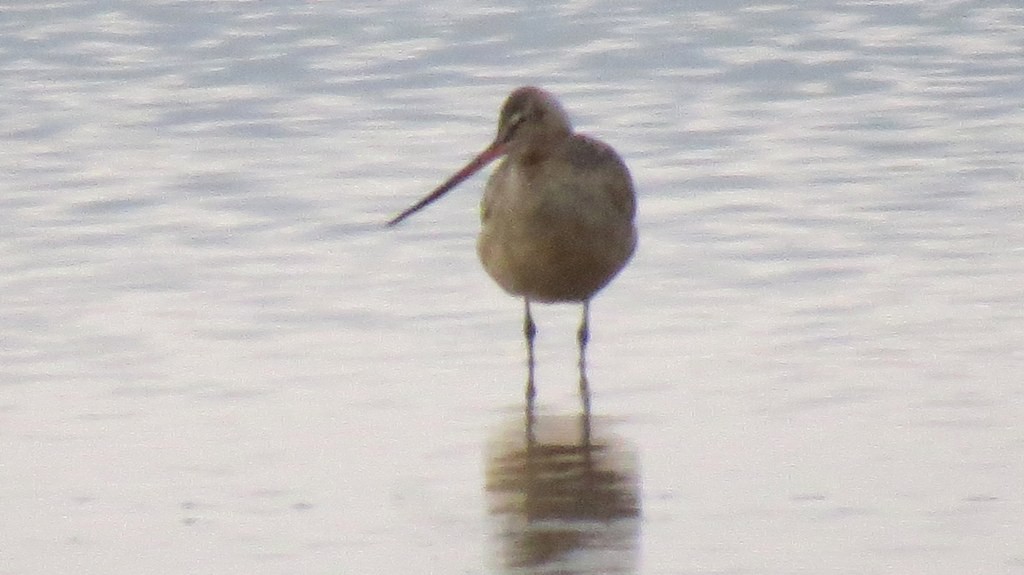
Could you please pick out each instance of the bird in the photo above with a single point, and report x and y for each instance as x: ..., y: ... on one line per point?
x: 558, y: 214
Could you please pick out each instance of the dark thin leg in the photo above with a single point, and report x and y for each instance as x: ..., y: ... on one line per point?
x: 530, y: 331
x: 583, y: 336
x: 585, y: 425
x: 585, y: 440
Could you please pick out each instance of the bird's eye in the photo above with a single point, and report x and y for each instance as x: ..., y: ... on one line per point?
x: 515, y: 120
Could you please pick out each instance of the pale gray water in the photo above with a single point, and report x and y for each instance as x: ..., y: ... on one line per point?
x: 214, y: 360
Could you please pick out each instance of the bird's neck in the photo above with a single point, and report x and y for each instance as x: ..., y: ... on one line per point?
x: 539, y: 148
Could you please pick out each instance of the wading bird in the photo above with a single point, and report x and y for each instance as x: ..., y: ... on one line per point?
x: 557, y: 216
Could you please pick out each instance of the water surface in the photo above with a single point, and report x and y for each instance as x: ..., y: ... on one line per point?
x: 215, y: 359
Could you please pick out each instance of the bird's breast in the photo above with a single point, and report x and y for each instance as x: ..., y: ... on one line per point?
x: 552, y: 234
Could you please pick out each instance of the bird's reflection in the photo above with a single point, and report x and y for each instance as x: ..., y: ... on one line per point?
x: 564, y: 497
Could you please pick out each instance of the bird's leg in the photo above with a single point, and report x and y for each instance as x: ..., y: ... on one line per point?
x: 530, y: 331
x: 582, y: 336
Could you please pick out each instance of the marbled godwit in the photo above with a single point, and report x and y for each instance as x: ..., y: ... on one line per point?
x: 556, y: 216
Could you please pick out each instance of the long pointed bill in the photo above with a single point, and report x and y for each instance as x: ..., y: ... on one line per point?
x: 482, y: 159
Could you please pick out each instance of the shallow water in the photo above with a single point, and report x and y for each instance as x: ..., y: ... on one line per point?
x: 215, y: 359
